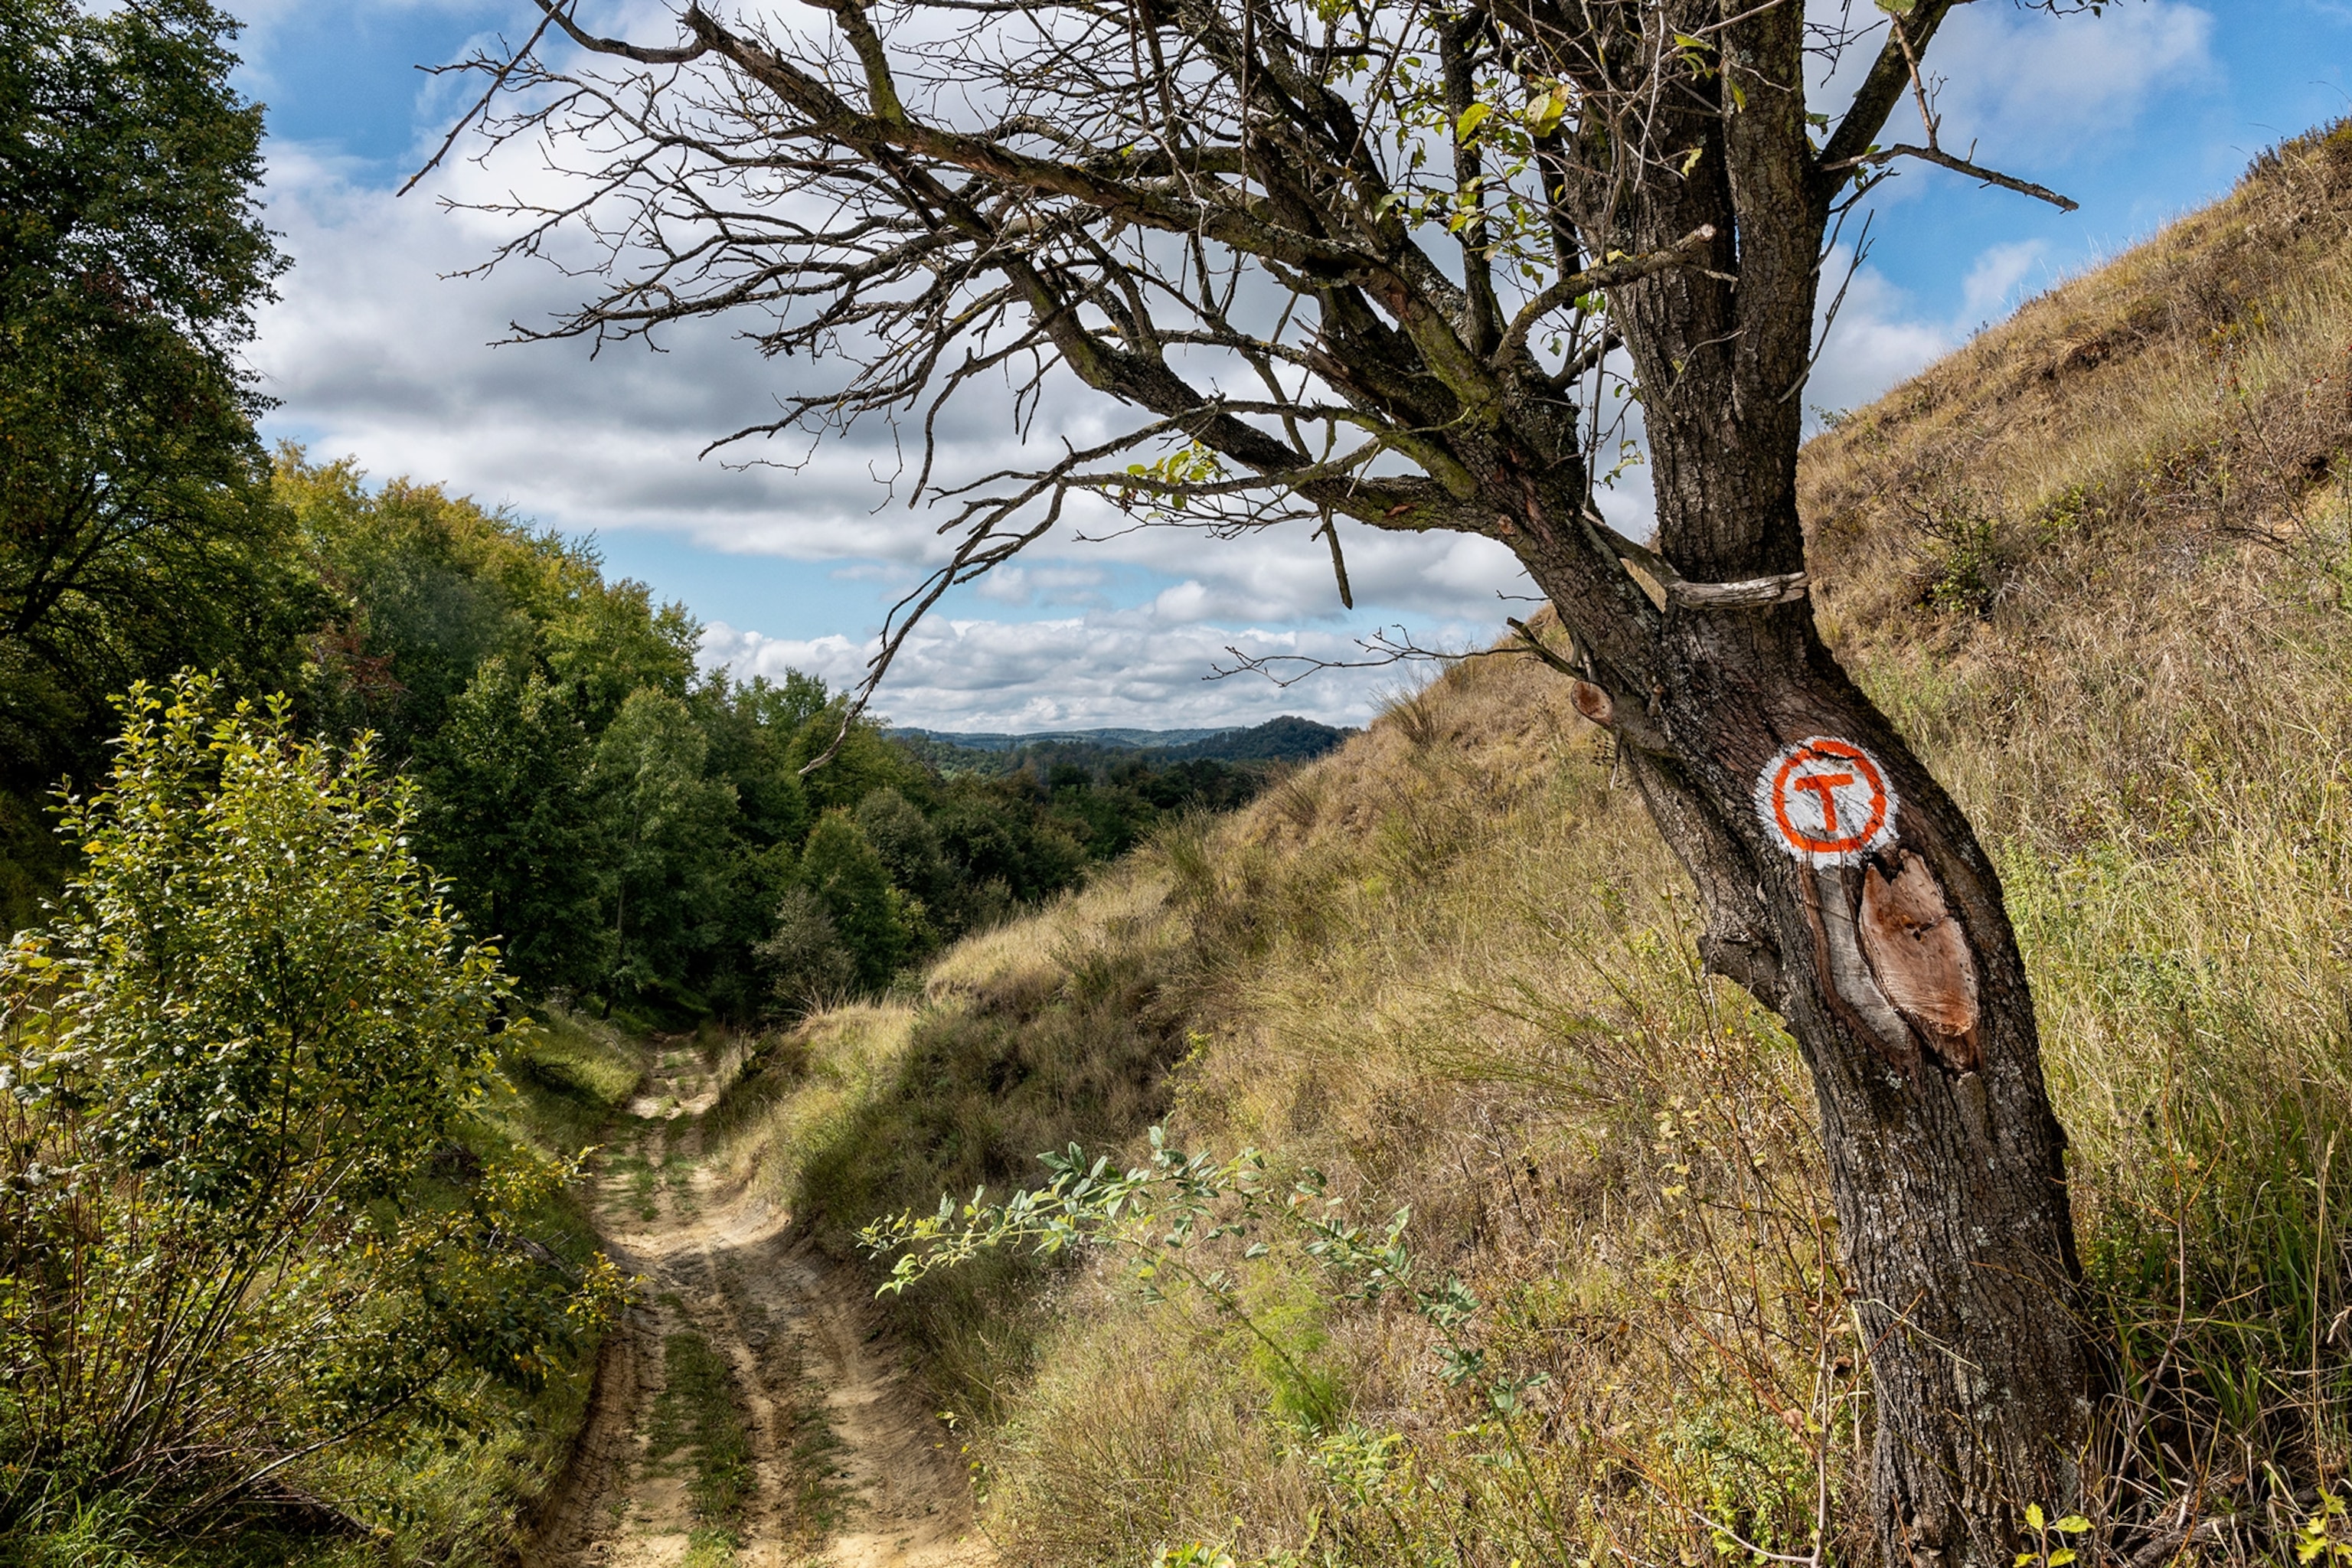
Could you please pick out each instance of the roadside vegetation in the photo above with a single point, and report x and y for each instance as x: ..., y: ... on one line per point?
x: 638, y: 835
x: 265, y: 1217
x: 1560, y: 1283
x: 330, y: 966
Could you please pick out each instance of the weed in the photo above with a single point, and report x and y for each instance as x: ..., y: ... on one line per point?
x: 698, y: 1418
x: 2325, y: 1537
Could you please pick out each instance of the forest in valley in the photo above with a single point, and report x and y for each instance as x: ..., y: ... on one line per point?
x: 633, y: 831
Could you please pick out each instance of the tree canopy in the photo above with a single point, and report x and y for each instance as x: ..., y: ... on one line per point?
x: 234, y: 1064
x: 137, y: 531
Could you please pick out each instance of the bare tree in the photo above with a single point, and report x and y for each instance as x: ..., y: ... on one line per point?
x: 1374, y: 261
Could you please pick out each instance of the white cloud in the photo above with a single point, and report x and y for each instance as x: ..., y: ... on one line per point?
x: 375, y: 355
x: 1881, y: 336
x: 1106, y: 668
x: 2024, y: 92
x: 377, y: 350
x: 1024, y: 586
x: 2041, y: 88
x: 1876, y: 341
x: 1992, y: 282
x: 2057, y: 83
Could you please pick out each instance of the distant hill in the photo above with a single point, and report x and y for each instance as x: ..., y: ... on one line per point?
x: 1284, y: 739
x: 992, y: 741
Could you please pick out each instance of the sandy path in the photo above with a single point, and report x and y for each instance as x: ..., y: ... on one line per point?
x: 850, y: 1470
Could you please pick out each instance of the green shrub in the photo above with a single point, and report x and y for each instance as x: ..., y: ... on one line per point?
x: 248, y: 1209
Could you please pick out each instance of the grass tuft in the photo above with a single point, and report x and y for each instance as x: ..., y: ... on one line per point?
x: 698, y: 1422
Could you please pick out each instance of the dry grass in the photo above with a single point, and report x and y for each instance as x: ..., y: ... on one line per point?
x: 1448, y: 968
x: 1055, y: 1029
x: 2096, y: 565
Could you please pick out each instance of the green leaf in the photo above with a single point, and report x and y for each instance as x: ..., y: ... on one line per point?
x: 1544, y: 113
x: 2060, y: 1558
x: 1471, y: 118
x: 1902, y: 8
x: 2034, y: 1518
x: 2073, y: 1524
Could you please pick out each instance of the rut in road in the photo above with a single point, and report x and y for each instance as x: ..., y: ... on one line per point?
x: 746, y: 1414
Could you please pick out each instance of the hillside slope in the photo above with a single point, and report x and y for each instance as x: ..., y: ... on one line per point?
x: 2096, y: 565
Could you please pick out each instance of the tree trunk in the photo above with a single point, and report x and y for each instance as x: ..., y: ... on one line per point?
x: 1880, y: 936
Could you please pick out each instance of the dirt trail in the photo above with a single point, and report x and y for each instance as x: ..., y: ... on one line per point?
x: 846, y: 1469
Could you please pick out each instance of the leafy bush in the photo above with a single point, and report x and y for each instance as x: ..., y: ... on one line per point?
x: 244, y: 1216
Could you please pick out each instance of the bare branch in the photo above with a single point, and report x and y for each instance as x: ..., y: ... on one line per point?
x: 559, y: 13
x: 1609, y: 274
x: 1962, y: 165
x: 1880, y: 91
x: 499, y: 75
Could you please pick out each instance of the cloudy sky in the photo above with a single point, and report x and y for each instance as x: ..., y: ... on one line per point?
x: 378, y: 352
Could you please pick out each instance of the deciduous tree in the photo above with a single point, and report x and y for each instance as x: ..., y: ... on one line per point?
x: 136, y: 527
x: 508, y: 819
x: 1344, y: 260
x: 669, y: 825
x: 228, y: 1069
x: 850, y: 880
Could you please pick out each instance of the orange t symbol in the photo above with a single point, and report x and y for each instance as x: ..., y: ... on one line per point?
x: 1824, y: 785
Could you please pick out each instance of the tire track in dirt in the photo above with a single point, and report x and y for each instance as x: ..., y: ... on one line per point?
x: 849, y: 1468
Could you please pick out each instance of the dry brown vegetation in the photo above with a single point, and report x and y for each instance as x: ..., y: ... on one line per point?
x: 2096, y: 565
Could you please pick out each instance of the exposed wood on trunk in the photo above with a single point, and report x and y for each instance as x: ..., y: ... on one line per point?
x: 1849, y: 974
x: 1921, y: 957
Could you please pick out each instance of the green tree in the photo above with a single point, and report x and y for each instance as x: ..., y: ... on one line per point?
x: 670, y: 828
x: 507, y: 819
x: 864, y: 762
x: 997, y: 835
x: 136, y: 528
x: 752, y: 727
x: 249, y: 1031
x: 430, y: 584
x: 909, y: 848
x: 849, y: 879
x: 802, y: 957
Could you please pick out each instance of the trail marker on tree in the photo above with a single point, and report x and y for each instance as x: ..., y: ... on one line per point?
x: 1826, y: 800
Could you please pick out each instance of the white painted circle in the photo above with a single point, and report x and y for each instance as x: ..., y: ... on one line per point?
x: 1827, y: 802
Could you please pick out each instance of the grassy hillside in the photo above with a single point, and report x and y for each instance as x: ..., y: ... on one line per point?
x: 2096, y: 565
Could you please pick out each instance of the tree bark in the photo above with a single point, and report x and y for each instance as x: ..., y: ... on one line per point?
x: 1945, y: 1160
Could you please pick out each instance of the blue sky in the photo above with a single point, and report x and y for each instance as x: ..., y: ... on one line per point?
x: 2141, y: 114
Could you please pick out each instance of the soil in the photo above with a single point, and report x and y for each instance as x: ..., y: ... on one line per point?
x: 849, y: 1468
